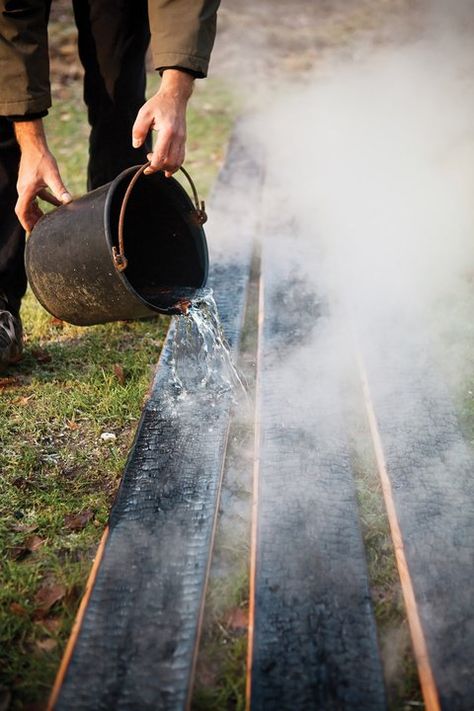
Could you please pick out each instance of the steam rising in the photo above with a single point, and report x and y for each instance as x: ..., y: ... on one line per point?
x: 368, y: 226
x: 376, y: 161
x: 369, y: 205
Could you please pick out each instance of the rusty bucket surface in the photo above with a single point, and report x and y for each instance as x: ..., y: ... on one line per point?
x: 127, y: 250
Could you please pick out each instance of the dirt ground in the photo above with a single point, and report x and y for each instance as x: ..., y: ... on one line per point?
x: 267, y: 42
x: 264, y: 42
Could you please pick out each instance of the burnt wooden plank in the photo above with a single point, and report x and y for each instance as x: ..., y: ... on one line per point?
x: 431, y: 468
x: 137, y: 642
x: 314, y: 639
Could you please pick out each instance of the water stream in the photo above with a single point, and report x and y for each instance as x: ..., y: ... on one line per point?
x: 201, y: 357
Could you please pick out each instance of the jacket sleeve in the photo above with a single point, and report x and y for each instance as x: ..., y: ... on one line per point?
x: 183, y: 33
x: 24, y: 62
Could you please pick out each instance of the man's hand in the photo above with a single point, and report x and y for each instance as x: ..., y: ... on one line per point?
x: 38, y: 174
x: 165, y: 112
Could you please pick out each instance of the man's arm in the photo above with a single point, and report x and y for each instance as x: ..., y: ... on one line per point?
x: 38, y: 174
x: 24, y: 62
x: 182, y: 37
x: 183, y: 33
x: 25, y: 93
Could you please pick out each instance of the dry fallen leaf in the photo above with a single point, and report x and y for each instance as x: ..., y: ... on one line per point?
x: 76, y: 522
x: 48, y: 594
x: 237, y: 619
x: 22, y: 401
x: 19, y: 552
x: 29, y: 546
x: 119, y: 373
x: 46, y: 645
x: 41, y: 355
x: 33, y: 543
x: 18, y: 610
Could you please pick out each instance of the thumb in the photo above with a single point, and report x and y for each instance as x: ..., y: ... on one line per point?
x: 59, y: 190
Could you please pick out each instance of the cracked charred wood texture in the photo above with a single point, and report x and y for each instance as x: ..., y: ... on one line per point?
x: 431, y: 471
x: 136, y: 646
x: 314, y: 641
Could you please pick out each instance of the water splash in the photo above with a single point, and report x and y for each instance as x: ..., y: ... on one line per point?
x: 201, y: 358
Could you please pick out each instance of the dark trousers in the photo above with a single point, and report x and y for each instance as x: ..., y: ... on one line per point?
x: 113, y: 39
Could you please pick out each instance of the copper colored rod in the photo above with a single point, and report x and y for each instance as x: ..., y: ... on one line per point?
x: 427, y: 681
x: 76, y: 628
x: 255, y: 499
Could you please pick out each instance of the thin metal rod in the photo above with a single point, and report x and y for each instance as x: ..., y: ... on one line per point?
x: 425, y: 672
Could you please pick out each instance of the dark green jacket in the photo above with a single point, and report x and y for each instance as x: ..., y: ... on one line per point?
x: 182, y: 34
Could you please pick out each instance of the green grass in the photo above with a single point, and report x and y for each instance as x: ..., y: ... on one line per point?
x: 73, y: 385
x: 222, y: 662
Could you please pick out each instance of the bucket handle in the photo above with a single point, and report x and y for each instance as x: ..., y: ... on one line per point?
x: 120, y: 260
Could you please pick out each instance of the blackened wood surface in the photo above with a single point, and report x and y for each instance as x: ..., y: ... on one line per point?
x: 314, y: 636
x: 136, y: 646
x: 432, y: 473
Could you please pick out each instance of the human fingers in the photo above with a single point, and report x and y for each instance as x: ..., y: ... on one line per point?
x: 28, y: 211
x: 55, y: 184
x: 175, y: 158
x: 159, y: 156
x: 141, y: 127
x: 168, y: 155
x: 48, y: 197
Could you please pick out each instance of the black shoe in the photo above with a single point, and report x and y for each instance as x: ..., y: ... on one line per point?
x: 11, y: 335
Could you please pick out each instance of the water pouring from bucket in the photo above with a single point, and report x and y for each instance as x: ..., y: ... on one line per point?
x: 132, y: 248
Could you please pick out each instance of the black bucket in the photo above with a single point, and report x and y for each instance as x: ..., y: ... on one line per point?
x: 130, y: 249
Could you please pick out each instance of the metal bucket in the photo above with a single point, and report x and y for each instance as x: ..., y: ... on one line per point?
x: 130, y: 249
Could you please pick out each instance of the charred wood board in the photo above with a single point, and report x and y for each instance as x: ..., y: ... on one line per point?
x: 431, y: 471
x: 314, y: 637
x: 137, y: 643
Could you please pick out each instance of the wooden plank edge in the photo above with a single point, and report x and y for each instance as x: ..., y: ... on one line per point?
x: 427, y: 681
x: 76, y: 628
x: 255, y: 495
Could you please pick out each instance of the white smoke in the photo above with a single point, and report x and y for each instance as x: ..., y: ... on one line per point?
x: 376, y: 160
